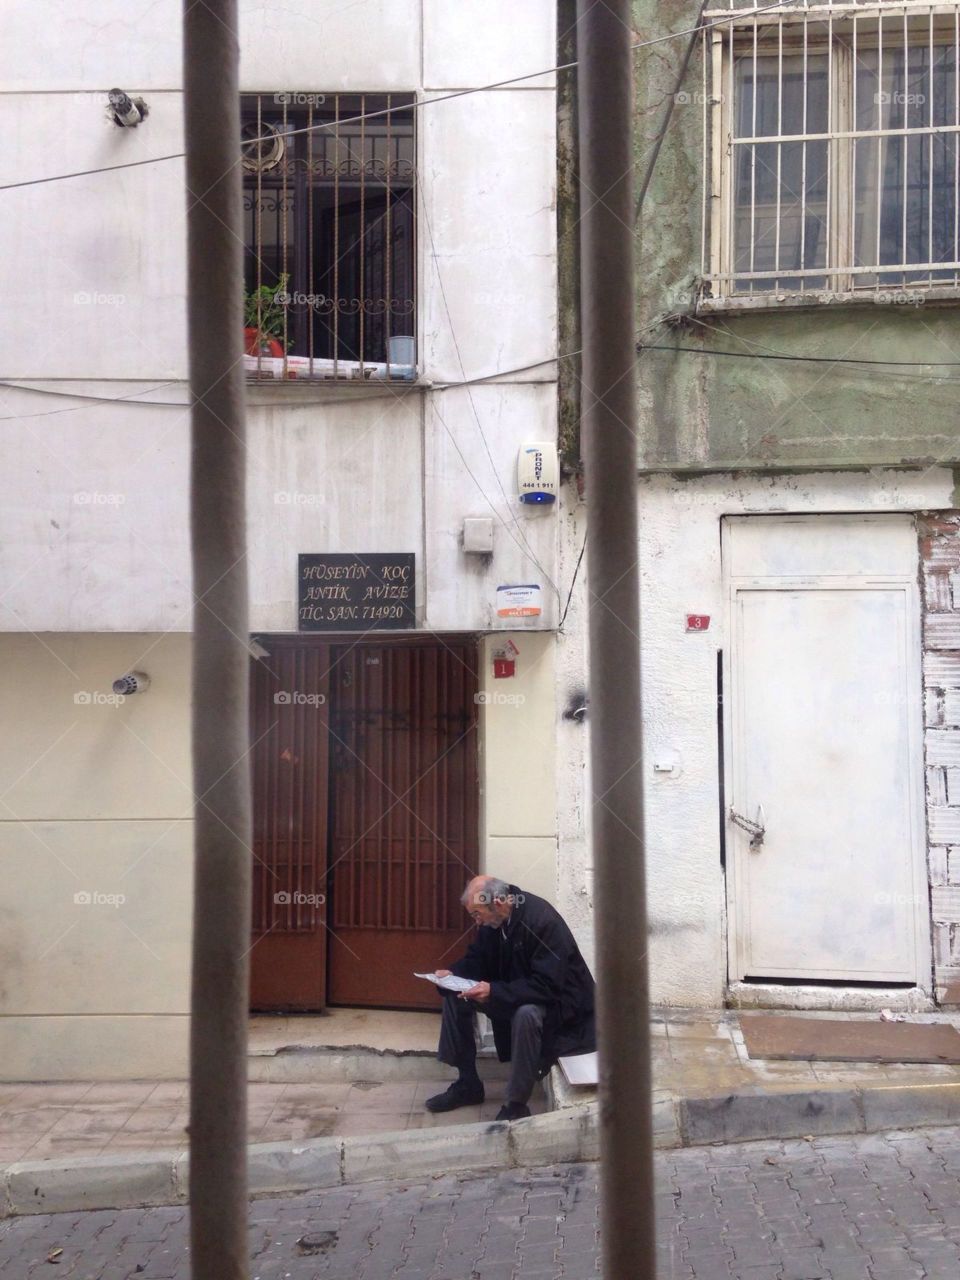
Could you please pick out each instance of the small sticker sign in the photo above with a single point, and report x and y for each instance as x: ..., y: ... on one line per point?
x: 521, y: 601
x: 698, y: 622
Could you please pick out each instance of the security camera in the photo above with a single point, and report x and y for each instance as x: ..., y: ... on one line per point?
x: 132, y: 682
x: 124, y: 110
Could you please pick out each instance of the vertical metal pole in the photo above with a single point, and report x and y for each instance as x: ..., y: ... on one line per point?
x: 222, y: 873
x: 610, y: 459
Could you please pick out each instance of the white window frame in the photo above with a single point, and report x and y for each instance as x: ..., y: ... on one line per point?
x: 840, y: 29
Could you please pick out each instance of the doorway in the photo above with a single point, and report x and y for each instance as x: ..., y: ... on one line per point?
x: 366, y: 815
x: 826, y: 875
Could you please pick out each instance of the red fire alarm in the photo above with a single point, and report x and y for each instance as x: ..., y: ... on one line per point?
x: 503, y: 668
x: 698, y: 622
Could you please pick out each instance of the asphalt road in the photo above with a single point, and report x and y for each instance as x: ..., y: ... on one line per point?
x: 884, y: 1207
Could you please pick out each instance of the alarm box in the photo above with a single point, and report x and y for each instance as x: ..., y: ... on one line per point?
x: 538, y: 472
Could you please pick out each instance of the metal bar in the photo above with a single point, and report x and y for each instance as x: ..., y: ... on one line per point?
x: 776, y: 251
x: 312, y: 283
x: 930, y: 150
x: 879, y: 117
x: 219, y: 1002
x: 753, y: 156
x: 609, y: 426
x: 803, y: 157
x: 282, y: 219
x: 895, y: 267
x: 956, y: 138
x: 920, y: 131
x: 388, y: 249
x: 904, y: 159
x: 336, y: 235
x: 361, y: 298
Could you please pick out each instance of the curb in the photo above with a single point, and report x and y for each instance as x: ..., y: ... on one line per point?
x: 565, y: 1136
x: 151, y: 1178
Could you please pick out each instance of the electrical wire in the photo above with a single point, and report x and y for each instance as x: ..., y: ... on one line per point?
x: 751, y: 355
x: 417, y: 104
x: 267, y: 382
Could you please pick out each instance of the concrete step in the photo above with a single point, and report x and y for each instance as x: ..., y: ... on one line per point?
x: 306, y: 1064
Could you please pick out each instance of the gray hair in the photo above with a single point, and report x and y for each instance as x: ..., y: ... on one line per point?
x: 492, y: 889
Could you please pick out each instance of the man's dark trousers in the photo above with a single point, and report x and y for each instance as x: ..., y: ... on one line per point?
x: 458, y: 1045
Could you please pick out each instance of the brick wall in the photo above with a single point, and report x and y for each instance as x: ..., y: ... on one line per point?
x: 940, y: 560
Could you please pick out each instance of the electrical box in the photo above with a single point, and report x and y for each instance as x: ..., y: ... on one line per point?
x: 478, y: 535
x: 538, y: 472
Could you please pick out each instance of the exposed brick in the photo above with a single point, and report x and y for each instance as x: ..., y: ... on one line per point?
x: 943, y: 747
x: 944, y: 823
x: 945, y: 902
x: 951, y: 707
x: 946, y: 944
x: 937, y: 785
x: 953, y: 866
x: 933, y: 708
x: 954, y: 579
x: 940, y: 553
x: 930, y: 525
x: 941, y: 631
x: 937, y: 595
x: 941, y: 670
x: 938, y: 866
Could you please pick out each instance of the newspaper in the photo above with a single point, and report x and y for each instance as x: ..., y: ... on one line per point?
x: 450, y: 983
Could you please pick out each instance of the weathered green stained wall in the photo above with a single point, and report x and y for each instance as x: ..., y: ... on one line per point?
x: 715, y: 413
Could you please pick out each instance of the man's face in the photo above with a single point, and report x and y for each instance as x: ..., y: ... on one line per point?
x: 483, y: 909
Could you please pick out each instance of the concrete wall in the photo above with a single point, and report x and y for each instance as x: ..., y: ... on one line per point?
x: 681, y: 573
x: 96, y: 849
x: 518, y: 764
x: 95, y: 493
x: 94, y: 553
x: 702, y: 412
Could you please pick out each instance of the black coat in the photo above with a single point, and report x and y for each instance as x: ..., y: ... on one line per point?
x: 540, y: 963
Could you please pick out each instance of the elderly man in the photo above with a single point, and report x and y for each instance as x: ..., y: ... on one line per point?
x: 533, y: 984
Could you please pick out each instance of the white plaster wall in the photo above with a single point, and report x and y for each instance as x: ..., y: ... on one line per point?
x: 95, y: 494
x: 681, y: 573
x: 95, y: 857
x: 575, y: 859
x: 518, y: 764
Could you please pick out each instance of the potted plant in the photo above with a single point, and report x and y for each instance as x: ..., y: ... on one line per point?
x: 263, y: 312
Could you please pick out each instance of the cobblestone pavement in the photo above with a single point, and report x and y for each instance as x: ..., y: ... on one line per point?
x: 883, y: 1207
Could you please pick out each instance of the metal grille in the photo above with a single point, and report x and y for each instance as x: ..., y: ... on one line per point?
x: 329, y: 230
x: 405, y: 786
x: 835, y: 140
x: 289, y: 774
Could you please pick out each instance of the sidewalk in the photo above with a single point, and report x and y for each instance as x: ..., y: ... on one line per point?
x: 706, y: 1089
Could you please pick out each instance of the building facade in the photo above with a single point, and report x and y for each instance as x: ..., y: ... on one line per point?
x: 401, y: 267
x: 798, y: 338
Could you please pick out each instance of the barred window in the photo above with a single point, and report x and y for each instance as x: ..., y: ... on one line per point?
x: 835, y: 151
x: 329, y: 229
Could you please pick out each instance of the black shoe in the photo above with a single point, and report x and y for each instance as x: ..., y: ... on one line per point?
x: 513, y: 1111
x: 462, y: 1093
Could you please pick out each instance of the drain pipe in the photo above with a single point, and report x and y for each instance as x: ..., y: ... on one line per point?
x: 610, y: 460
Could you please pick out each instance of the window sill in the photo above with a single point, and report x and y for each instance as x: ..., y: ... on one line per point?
x: 894, y: 299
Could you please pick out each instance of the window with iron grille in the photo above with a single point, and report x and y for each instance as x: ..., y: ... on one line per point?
x: 835, y: 139
x: 329, y: 229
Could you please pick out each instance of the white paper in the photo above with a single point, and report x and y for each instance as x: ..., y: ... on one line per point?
x: 580, y: 1068
x: 450, y: 983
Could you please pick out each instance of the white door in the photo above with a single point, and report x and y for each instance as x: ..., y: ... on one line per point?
x: 823, y: 745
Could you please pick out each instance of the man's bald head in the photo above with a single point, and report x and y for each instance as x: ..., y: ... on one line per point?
x: 487, y: 900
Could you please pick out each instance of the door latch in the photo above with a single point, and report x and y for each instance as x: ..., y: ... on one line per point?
x: 755, y: 830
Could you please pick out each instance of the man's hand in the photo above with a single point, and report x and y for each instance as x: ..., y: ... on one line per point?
x: 480, y: 993
x: 441, y: 973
